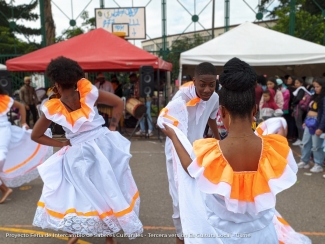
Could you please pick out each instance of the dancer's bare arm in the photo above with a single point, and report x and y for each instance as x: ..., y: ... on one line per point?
x: 38, y: 134
x: 111, y: 99
x: 22, y: 112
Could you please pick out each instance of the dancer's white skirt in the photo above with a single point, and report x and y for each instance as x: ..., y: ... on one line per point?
x: 89, y: 188
x: 19, y: 155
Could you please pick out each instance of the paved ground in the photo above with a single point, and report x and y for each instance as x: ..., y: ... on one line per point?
x: 302, y: 205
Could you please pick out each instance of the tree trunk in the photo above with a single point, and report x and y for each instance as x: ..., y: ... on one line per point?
x: 49, y: 23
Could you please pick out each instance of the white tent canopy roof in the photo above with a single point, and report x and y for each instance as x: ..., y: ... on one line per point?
x: 3, y: 67
x: 257, y: 46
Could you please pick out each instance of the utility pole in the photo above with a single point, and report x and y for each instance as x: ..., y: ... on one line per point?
x: 213, y: 3
x: 164, y: 29
x: 227, y: 13
x: 102, y: 4
x: 42, y: 9
x: 292, y: 16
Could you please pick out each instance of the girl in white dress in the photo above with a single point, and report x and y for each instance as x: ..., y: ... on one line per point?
x: 227, y: 189
x: 88, y: 184
x: 19, y: 155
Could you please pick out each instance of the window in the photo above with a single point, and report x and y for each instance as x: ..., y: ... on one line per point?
x: 149, y: 48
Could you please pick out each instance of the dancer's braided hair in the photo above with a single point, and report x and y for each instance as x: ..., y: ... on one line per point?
x: 238, y: 82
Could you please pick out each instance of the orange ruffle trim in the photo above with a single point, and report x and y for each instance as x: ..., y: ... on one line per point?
x: 4, y: 103
x: 244, y: 185
x: 93, y: 213
x: 55, y: 106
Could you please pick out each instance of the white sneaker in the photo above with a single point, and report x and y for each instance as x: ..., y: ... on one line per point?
x: 303, y: 165
x: 297, y: 143
x: 139, y: 133
x: 150, y: 133
x: 316, y: 169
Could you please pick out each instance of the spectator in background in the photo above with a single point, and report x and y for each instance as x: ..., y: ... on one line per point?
x: 136, y: 93
x: 314, y: 126
x: 259, y: 90
x: 118, y: 91
x: 292, y: 128
x: 286, y: 96
x: 298, y: 113
x: 103, y: 84
x: 29, y: 98
x: 186, y: 78
x: 309, y: 84
x: 278, y: 98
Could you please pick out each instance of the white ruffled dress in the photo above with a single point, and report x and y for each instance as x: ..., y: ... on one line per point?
x: 88, y: 187
x: 19, y: 155
x: 218, y: 205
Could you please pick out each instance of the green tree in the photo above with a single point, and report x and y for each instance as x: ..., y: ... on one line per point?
x: 9, y: 15
x: 311, y: 6
x: 181, y: 45
x: 14, y: 13
x: 87, y: 25
x: 309, y: 22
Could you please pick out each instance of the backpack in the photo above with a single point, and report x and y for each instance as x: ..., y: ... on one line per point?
x: 304, y: 102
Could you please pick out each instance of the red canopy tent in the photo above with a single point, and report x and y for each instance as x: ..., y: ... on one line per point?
x: 97, y: 50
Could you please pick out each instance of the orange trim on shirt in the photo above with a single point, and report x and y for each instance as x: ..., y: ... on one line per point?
x: 193, y: 102
x: 245, y: 186
x: 187, y: 84
x: 92, y: 213
x: 4, y: 103
x: 55, y: 106
x: 165, y: 110
x: 26, y: 161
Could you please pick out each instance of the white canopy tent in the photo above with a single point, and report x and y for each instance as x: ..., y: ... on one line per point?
x: 3, y: 67
x: 268, y: 51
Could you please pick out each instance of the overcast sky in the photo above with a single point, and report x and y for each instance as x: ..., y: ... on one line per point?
x: 177, y: 17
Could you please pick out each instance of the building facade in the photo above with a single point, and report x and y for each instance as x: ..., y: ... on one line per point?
x: 155, y: 44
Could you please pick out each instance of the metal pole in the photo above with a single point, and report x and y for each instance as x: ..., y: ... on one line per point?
x: 164, y: 28
x: 102, y: 4
x: 292, y: 21
x: 227, y: 13
x: 42, y: 9
x: 164, y: 36
x: 213, y: 3
x: 158, y: 101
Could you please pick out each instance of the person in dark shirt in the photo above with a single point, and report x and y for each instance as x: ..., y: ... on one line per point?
x: 298, y: 113
x: 118, y: 91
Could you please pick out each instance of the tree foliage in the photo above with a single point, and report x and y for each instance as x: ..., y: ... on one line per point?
x: 19, y: 12
x: 9, y: 43
x: 309, y: 22
x: 181, y: 45
x: 311, y: 6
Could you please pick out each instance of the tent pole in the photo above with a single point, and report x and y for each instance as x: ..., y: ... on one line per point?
x: 168, y: 85
x: 213, y: 4
x: 158, y: 102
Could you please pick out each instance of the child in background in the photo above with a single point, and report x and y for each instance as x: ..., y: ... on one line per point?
x: 269, y: 107
x: 286, y: 95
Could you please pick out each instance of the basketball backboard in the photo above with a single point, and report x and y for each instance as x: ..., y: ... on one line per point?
x: 132, y: 21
